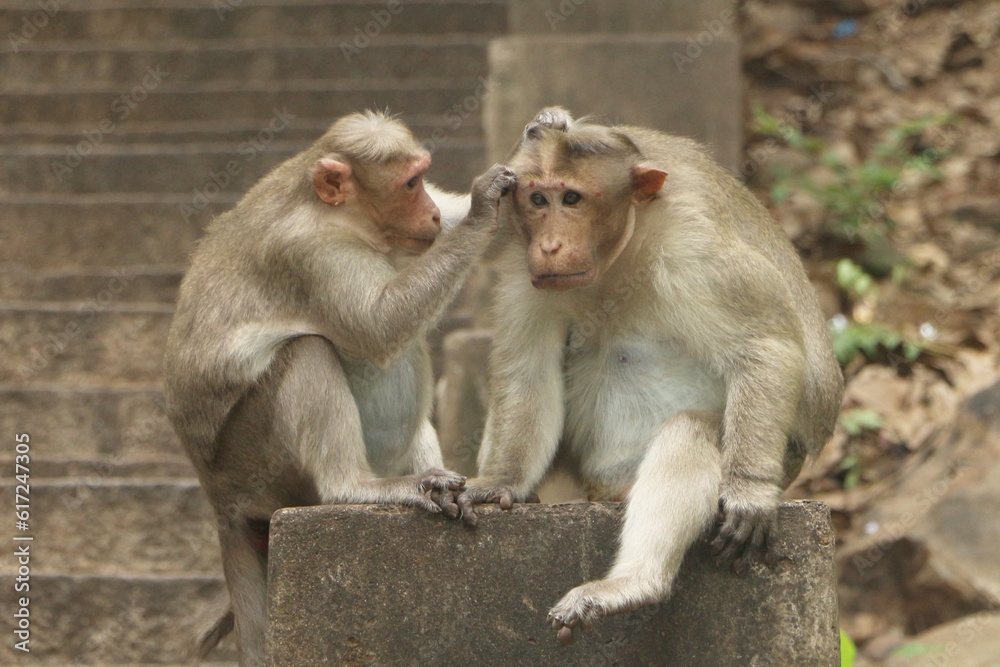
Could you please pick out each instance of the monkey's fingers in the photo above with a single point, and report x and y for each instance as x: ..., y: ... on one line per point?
x: 441, y: 480
x: 423, y: 502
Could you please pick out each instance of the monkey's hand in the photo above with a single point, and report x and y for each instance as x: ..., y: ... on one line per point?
x: 487, y: 189
x: 556, y: 118
x: 489, y: 490
x: 748, y: 511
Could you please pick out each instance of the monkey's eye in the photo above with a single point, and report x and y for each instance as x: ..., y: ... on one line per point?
x: 538, y: 199
x: 572, y: 197
x: 412, y: 183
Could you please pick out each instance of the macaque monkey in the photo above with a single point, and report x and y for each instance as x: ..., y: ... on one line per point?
x: 296, y: 367
x: 660, y: 330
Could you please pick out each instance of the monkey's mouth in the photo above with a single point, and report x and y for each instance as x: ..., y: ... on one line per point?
x: 561, y: 281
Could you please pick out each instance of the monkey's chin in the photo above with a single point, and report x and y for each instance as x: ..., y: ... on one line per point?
x: 412, y: 244
x: 561, y: 282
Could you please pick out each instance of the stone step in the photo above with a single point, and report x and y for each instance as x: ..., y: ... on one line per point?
x: 104, y: 430
x: 201, y: 171
x: 103, y: 526
x: 227, y: 131
x: 73, y: 64
x: 90, y: 344
x: 109, y: 105
x: 112, y: 620
x: 99, y: 233
x: 139, y: 284
x: 124, y: 21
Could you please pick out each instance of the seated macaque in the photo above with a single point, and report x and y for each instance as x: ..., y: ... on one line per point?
x: 660, y: 330
x: 296, y: 368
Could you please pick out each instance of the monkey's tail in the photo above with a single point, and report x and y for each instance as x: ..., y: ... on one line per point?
x: 215, y: 633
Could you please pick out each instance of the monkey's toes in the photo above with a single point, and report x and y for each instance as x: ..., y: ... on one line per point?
x: 446, y: 501
x: 745, y: 537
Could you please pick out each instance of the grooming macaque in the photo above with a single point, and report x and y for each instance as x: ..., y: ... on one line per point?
x: 660, y: 330
x: 296, y: 367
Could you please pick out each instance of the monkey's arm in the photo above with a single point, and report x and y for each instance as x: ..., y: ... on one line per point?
x: 526, y: 408
x: 453, y: 207
x: 755, y: 337
x: 763, y: 393
x: 386, y: 311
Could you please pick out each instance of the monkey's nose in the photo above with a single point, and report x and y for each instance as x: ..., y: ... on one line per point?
x: 551, y: 247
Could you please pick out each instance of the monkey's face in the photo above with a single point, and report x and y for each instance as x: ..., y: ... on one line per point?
x: 403, y: 212
x: 577, y: 219
x: 570, y: 222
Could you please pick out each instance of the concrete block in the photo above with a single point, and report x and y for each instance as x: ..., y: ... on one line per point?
x: 371, y: 585
x: 623, y: 79
x: 576, y: 16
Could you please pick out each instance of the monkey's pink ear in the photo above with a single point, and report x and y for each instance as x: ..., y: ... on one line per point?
x: 646, y: 182
x: 332, y: 181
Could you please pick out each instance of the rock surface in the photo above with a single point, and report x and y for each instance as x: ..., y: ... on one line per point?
x: 346, y: 590
x: 973, y: 641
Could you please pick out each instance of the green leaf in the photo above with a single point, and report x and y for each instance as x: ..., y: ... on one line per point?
x: 859, y: 420
x: 915, y: 650
x: 848, y: 651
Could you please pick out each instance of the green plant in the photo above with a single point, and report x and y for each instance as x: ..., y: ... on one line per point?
x: 848, y: 651
x: 855, y: 198
x: 876, y: 341
x: 855, y: 422
x: 873, y: 339
x: 858, y: 420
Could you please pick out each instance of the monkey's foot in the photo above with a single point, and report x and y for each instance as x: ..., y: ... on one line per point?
x: 592, y: 601
x: 488, y: 490
x: 748, y: 513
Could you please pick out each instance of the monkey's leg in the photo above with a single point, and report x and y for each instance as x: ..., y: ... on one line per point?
x: 319, y: 408
x: 672, y: 502
x: 246, y: 576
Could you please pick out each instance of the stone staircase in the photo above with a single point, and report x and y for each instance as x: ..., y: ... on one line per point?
x: 125, y: 125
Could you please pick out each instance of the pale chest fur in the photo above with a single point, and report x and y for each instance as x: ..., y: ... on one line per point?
x: 623, y: 382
